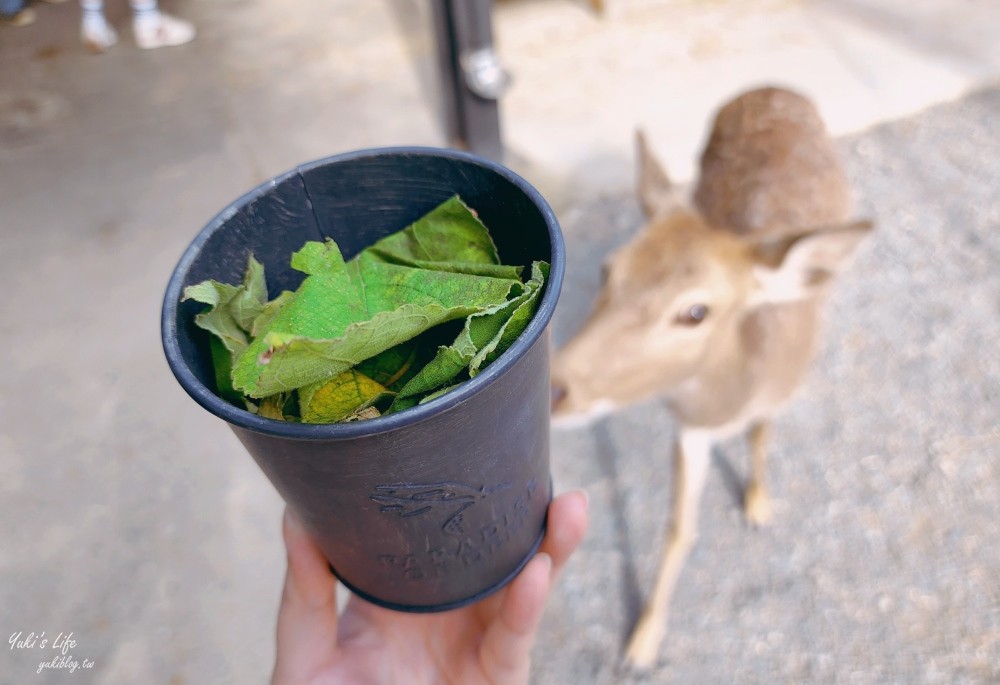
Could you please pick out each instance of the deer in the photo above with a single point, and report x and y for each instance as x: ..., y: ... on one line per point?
x: 715, y: 306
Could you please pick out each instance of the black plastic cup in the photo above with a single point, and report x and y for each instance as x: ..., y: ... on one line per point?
x: 442, y: 504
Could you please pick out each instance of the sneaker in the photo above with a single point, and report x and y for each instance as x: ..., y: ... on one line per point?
x: 98, y: 37
x: 162, y: 32
x: 25, y: 17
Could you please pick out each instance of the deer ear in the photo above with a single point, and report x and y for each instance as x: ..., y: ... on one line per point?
x: 800, y: 266
x: 653, y: 187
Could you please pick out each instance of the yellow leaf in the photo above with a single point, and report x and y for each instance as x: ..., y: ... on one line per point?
x: 339, y: 397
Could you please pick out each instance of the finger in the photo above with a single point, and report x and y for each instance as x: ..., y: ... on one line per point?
x: 565, y: 527
x: 505, y: 652
x: 307, y: 618
x: 567, y: 524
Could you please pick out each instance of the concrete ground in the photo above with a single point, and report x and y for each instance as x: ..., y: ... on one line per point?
x: 135, y: 520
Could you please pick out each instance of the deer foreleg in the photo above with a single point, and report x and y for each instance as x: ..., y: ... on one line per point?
x: 756, y: 502
x: 691, y: 459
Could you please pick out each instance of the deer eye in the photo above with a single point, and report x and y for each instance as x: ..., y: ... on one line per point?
x: 693, y: 315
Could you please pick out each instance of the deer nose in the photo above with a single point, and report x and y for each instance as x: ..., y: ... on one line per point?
x: 559, y: 393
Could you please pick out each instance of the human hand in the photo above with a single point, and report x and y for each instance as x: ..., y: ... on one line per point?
x: 487, y: 643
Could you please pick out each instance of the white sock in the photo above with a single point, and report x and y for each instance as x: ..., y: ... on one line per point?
x: 145, y: 13
x: 93, y: 15
x: 95, y: 31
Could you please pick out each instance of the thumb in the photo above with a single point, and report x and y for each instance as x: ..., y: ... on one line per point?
x: 307, y: 617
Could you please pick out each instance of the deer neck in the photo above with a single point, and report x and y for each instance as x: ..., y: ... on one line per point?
x: 754, y: 365
x: 714, y: 393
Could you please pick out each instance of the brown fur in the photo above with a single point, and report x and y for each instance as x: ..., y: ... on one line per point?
x: 769, y: 166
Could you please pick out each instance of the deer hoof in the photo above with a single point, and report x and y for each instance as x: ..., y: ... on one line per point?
x: 757, y: 505
x: 644, y: 645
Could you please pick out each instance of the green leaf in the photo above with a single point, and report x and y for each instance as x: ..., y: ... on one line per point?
x: 291, y: 361
x: 323, y: 306
x: 394, y: 367
x: 492, y: 270
x: 318, y: 258
x: 518, y: 321
x: 250, y: 299
x: 210, y: 292
x: 344, y: 314
x: 399, y: 405
x: 445, y: 367
x: 269, y: 311
x: 218, y: 320
x: 450, y: 233
x: 484, y: 337
x: 438, y: 393
x: 233, y: 308
x: 222, y: 363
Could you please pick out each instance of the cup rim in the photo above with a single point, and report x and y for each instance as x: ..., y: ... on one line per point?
x: 233, y: 415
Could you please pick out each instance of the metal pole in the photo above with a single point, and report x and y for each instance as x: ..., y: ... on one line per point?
x: 472, y: 79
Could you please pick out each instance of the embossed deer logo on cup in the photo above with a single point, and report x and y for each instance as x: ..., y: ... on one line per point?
x: 415, y: 499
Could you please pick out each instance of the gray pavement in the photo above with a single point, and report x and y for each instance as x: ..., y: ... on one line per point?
x: 135, y: 520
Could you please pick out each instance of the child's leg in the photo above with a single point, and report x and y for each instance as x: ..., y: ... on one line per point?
x: 154, y: 29
x: 95, y: 31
